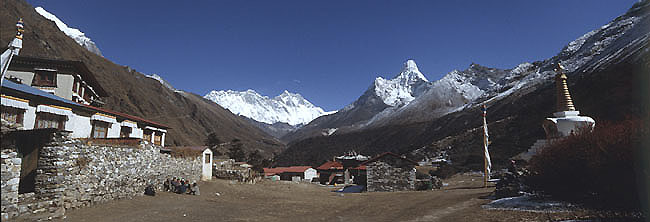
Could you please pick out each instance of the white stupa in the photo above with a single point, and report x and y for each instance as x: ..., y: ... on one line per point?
x: 566, y: 119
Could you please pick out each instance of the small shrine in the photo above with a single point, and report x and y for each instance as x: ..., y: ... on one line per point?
x: 565, y: 121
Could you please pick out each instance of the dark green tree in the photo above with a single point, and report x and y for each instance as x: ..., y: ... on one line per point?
x: 256, y: 159
x: 236, y: 151
x: 213, y: 143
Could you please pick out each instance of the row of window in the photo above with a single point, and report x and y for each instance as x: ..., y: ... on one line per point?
x: 46, y: 78
x: 49, y: 120
x: 81, y: 91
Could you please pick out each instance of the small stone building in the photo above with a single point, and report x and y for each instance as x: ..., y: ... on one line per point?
x: 390, y: 172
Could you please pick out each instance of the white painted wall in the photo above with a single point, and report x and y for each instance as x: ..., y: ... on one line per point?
x: 64, y: 86
x: 568, y: 122
x: 162, y: 139
x: 114, y: 130
x: 80, y: 126
x: 206, y: 161
x: 137, y: 132
x: 29, y: 118
x: 25, y: 77
x: 310, y: 173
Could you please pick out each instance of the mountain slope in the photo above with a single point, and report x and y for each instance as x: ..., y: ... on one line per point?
x: 73, y: 33
x: 607, y: 70
x: 191, y: 117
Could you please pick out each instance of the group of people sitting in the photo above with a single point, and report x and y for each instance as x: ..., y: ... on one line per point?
x: 181, y: 186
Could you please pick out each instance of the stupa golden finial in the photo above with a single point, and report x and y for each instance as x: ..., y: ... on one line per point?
x: 564, y: 102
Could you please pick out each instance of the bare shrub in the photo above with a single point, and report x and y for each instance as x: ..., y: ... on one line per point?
x: 596, y: 168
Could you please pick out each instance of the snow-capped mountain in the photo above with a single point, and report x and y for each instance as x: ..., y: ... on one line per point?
x: 402, y: 89
x: 287, y: 107
x: 382, y: 94
x: 73, y: 33
x: 453, y: 91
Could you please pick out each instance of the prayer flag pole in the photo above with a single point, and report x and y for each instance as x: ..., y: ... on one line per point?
x: 486, y: 155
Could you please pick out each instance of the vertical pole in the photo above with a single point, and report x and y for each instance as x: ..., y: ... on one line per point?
x: 485, y: 172
x: 485, y: 144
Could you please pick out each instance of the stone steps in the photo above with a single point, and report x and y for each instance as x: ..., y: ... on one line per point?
x: 537, y: 147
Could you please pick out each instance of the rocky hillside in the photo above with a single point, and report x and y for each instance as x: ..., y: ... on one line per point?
x: 607, y: 70
x: 191, y: 117
x: 73, y: 33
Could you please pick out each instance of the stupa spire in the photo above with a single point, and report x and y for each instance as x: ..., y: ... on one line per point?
x: 564, y: 102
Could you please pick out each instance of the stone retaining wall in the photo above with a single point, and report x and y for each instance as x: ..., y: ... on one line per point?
x: 71, y: 174
x: 388, y: 176
x: 10, y: 178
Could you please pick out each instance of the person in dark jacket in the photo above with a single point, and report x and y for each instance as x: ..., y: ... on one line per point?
x: 149, y: 190
x: 175, y: 185
x: 182, y: 188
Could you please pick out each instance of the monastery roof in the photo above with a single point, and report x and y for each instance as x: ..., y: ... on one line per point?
x: 331, y: 165
x: 130, y: 117
x: 77, y: 67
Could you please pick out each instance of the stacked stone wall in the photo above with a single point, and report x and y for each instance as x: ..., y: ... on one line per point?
x: 10, y: 178
x: 72, y: 174
x: 386, y: 177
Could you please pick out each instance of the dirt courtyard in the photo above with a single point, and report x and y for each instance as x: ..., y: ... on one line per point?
x: 461, y: 200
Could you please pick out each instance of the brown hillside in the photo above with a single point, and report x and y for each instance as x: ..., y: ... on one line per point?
x: 190, y: 116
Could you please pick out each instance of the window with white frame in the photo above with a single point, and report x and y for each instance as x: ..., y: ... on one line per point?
x: 12, y: 115
x: 49, y: 120
x: 100, y: 129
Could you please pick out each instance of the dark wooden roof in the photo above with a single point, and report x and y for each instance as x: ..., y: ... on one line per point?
x: 129, y: 117
x: 77, y: 67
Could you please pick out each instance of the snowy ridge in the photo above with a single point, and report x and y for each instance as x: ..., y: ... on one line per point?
x: 582, y: 50
x: 402, y: 89
x: 452, y: 92
x: 287, y: 107
x: 73, y: 33
x: 162, y: 81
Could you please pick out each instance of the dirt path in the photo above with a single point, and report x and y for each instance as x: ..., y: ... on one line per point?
x: 280, y: 201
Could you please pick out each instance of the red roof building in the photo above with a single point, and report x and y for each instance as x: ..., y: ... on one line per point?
x: 331, y: 165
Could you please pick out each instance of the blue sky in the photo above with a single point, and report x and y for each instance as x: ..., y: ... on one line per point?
x: 328, y: 51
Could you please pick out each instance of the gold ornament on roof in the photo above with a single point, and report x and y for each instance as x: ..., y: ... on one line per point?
x: 564, y: 102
